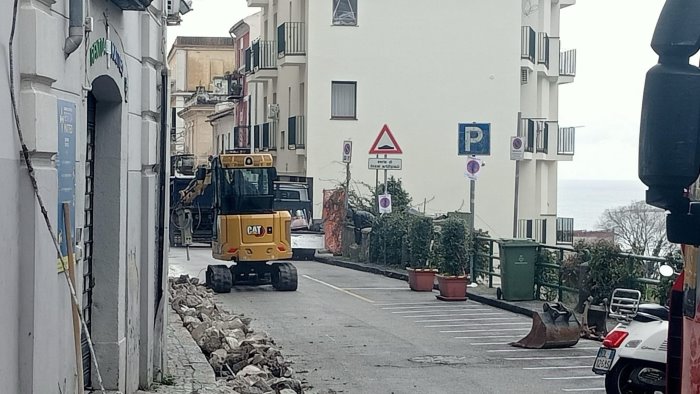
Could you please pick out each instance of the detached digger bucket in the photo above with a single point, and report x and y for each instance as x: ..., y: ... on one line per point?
x: 555, y: 327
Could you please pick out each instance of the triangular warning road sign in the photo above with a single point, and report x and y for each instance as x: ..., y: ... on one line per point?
x: 385, y: 143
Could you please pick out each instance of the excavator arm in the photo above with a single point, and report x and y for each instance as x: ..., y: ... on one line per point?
x: 196, y: 188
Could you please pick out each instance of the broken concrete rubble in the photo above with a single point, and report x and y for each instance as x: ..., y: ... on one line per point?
x: 247, y: 361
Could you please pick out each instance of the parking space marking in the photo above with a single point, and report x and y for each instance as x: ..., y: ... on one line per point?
x: 339, y: 289
x: 547, y: 358
x: 431, y: 307
x: 376, y: 288
x: 484, y: 330
x: 574, y: 377
x: 477, y: 319
x: 457, y: 314
x: 488, y: 343
x: 456, y: 310
x: 560, y: 367
x: 490, y: 336
x: 468, y: 325
x: 525, y: 350
x: 579, y: 390
x: 409, y: 303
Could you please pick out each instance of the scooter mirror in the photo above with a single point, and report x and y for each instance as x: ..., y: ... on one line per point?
x: 666, y: 270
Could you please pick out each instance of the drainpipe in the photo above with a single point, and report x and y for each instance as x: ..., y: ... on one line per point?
x: 76, y: 31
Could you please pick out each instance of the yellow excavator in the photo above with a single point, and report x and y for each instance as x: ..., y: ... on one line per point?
x: 247, y: 230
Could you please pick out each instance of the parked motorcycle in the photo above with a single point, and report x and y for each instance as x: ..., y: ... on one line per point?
x: 633, y: 354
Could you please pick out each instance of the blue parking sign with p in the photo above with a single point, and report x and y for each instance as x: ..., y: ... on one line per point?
x: 474, y: 139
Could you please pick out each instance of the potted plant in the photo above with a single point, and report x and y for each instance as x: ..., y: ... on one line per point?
x: 421, y: 276
x: 453, y: 258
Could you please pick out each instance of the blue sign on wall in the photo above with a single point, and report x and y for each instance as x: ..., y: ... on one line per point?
x: 474, y: 139
x: 65, y: 167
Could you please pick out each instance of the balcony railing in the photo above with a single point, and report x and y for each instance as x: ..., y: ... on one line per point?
x: 296, y: 136
x: 263, y: 55
x: 567, y: 63
x: 543, y: 52
x: 527, y: 132
x: 565, y: 231
x: 535, y: 229
x: 566, y: 141
x: 291, y: 39
x: 542, y: 136
x: 528, y: 43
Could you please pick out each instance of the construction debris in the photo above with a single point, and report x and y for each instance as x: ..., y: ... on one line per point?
x: 248, y: 361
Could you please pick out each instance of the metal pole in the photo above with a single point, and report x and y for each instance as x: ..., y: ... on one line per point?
x: 472, y: 194
x: 347, y: 185
x: 515, y: 203
x: 375, y: 195
x: 517, y: 182
x: 386, y: 187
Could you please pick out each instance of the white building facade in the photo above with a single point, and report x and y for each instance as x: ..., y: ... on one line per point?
x: 87, y: 76
x: 335, y: 70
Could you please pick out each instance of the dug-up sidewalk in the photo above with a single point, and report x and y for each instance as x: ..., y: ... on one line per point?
x: 188, y: 371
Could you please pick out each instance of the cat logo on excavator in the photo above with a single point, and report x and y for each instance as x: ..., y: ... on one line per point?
x: 258, y: 231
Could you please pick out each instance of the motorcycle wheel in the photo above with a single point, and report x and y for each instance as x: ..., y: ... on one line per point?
x: 621, y: 381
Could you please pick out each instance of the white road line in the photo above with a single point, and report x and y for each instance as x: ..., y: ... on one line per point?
x: 484, y: 330
x: 579, y: 390
x: 432, y: 307
x: 489, y: 336
x: 546, y: 358
x: 575, y: 377
x: 428, y: 303
x: 339, y: 289
x: 541, y: 350
x: 468, y: 325
x: 456, y: 314
x: 376, y: 288
x: 564, y: 367
x: 476, y: 319
x: 488, y: 343
x: 459, y: 310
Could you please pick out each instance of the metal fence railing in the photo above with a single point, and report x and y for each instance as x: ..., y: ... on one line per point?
x: 558, y: 270
x: 567, y: 63
x: 566, y: 141
x: 528, y: 42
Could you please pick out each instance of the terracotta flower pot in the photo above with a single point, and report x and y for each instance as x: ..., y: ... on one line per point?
x: 421, y: 279
x: 452, y: 288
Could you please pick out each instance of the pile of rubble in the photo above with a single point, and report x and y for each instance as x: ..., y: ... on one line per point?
x: 248, y: 361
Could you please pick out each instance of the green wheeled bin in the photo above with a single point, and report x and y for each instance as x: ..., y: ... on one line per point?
x: 518, y: 257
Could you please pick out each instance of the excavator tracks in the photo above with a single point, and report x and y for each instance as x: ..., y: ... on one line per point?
x: 219, y: 278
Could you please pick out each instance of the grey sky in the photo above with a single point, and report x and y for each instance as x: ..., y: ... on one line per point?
x: 612, y: 40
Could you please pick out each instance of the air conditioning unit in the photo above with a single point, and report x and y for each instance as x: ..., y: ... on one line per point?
x: 177, y: 7
x: 220, y: 86
x: 524, y: 75
x: 273, y: 111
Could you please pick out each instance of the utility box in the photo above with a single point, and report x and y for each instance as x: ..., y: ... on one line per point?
x: 518, y: 258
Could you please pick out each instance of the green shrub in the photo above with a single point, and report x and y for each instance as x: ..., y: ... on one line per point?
x: 480, y: 250
x: 454, y: 247
x: 660, y: 293
x: 386, y: 244
x: 546, y: 275
x: 418, y: 239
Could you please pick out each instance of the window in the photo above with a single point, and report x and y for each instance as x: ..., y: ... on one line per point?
x: 345, y: 12
x: 343, y: 100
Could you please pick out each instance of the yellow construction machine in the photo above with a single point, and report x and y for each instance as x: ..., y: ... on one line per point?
x: 247, y: 230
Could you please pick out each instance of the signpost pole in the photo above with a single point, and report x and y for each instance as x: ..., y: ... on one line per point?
x: 515, y: 204
x: 376, y: 184
x: 472, y: 195
x: 347, y: 185
x: 386, y: 187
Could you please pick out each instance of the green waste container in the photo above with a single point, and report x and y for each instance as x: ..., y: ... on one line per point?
x: 518, y: 257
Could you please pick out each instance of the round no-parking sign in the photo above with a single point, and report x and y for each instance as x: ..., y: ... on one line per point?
x: 473, y: 168
x: 385, y: 203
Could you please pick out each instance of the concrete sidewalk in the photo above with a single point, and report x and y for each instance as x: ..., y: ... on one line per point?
x: 482, y: 293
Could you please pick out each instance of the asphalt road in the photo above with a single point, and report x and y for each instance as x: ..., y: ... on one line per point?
x: 355, y: 332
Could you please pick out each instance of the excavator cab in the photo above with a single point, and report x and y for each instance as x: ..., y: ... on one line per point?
x: 247, y: 229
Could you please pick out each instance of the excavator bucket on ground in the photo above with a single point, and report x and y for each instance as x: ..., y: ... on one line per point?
x: 555, y: 327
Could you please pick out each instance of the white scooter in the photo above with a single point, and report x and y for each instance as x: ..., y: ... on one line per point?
x: 633, y: 355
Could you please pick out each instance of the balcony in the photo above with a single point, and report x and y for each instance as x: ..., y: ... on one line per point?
x: 534, y: 229
x: 565, y: 231
x: 261, y: 62
x: 296, y: 134
x: 528, y: 43
x: 265, y: 137
x: 566, y: 140
x: 291, y: 43
x: 257, y: 3
x: 132, y: 5
x: 566, y: 3
x: 567, y: 66
x: 543, y: 49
